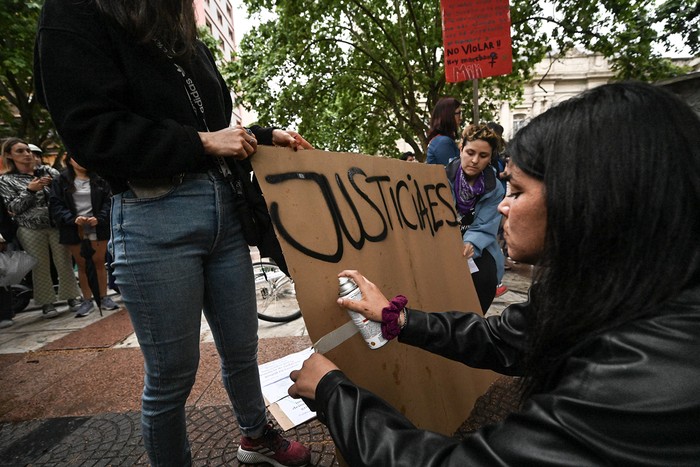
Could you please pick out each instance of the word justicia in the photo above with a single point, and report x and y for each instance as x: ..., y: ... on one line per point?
x: 399, y: 204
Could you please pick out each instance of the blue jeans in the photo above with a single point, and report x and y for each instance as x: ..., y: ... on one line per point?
x: 175, y: 255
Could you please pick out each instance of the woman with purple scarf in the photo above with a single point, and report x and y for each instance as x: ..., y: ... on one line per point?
x: 477, y: 192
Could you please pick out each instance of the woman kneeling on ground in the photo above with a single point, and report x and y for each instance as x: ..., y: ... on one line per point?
x: 607, y: 343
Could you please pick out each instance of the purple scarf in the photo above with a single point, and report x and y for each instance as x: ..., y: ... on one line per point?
x: 466, y: 194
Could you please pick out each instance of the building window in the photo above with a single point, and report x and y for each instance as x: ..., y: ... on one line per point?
x: 229, y: 10
x: 219, y: 17
x: 519, y: 121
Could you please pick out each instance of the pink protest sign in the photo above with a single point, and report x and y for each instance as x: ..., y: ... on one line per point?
x: 476, y: 36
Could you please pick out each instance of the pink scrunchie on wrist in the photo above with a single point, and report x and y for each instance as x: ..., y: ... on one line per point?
x: 390, y: 317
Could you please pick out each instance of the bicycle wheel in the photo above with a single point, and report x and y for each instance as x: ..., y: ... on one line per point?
x: 275, y: 295
x: 21, y: 295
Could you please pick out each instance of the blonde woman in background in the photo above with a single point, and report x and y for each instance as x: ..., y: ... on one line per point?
x: 26, y: 194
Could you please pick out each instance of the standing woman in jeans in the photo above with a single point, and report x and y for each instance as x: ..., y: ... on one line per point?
x: 138, y: 99
x: 26, y: 196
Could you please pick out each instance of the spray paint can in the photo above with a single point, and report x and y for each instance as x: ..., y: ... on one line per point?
x: 371, y: 331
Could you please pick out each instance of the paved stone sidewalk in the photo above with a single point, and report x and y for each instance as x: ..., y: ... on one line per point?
x: 74, y: 401
x: 114, y: 439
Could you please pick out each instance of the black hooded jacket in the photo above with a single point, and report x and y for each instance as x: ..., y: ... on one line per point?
x: 122, y: 108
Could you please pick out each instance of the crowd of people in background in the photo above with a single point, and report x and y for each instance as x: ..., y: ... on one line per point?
x: 45, y: 206
x: 42, y: 211
x: 604, y: 346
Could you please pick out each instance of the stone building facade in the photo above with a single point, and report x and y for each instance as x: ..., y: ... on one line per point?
x: 558, y: 79
x: 555, y: 80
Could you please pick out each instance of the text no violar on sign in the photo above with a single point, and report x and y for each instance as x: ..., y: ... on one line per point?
x: 476, y: 38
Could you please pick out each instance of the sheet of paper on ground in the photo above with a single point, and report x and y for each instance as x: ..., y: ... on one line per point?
x: 393, y: 221
x: 275, y: 382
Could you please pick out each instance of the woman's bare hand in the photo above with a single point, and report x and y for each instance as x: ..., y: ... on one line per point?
x: 306, y: 380
x: 468, y: 250
x: 233, y: 142
x: 289, y: 138
x: 38, y: 183
x: 373, y: 301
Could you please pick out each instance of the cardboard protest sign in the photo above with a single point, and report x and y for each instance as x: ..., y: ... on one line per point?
x: 476, y: 38
x: 394, y: 222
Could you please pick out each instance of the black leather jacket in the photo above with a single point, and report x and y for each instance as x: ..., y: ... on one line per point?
x: 628, y: 397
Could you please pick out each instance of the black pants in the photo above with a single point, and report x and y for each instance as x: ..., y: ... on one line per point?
x: 5, y: 303
x: 485, y: 281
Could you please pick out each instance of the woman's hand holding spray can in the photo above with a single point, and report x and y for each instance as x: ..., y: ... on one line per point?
x: 371, y: 331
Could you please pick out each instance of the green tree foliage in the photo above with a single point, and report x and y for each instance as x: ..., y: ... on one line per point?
x: 682, y: 17
x: 20, y: 113
x: 625, y: 32
x: 210, y: 41
x: 356, y: 75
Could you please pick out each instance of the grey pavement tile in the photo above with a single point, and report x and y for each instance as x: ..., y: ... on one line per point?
x: 114, y: 439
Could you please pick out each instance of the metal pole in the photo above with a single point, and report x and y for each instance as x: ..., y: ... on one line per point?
x: 475, y: 104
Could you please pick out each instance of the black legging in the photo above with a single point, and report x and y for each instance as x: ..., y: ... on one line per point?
x: 485, y: 281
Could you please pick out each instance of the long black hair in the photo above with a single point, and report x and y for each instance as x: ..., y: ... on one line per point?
x: 442, y: 120
x: 620, y: 165
x: 172, y: 22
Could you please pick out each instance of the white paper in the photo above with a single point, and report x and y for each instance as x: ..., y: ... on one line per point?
x: 296, y: 411
x: 472, y: 266
x: 274, y: 375
x: 275, y: 382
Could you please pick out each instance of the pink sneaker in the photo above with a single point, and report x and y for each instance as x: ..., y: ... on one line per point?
x: 272, y: 448
x: 501, y: 289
